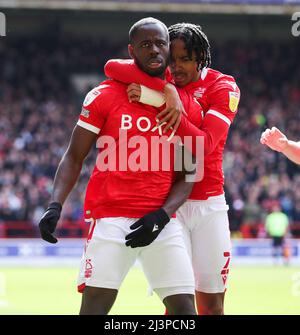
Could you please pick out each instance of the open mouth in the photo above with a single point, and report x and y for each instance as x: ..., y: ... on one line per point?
x: 155, y: 63
x: 179, y: 77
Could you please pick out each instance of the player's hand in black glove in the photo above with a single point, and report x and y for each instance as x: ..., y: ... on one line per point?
x: 147, y: 229
x: 49, y: 221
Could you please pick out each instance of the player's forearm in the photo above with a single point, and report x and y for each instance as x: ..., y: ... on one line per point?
x: 180, y: 191
x: 66, y: 177
x: 151, y: 97
x: 205, y: 140
x: 292, y: 151
x: 187, y: 129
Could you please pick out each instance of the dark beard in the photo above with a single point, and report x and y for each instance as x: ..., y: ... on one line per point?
x: 153, y: 73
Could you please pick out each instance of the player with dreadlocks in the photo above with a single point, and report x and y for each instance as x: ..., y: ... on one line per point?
x: 194, y: 41
x: 204, y: 215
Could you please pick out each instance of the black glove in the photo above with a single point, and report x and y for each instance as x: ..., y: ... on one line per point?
x: 149, y: 227
x: 49, y: 221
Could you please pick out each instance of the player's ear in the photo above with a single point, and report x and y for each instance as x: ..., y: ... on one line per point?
x: 130, y: 50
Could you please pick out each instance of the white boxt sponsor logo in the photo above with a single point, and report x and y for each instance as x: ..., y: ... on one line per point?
x: 143, y: 123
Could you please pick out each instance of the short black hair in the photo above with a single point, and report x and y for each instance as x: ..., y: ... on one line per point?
x: 147, y: 20
x: 194, y: 39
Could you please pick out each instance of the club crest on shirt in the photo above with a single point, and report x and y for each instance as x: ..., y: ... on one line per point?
x: 199, y: 92
x: 88, y: 268
x: 202, y: 112
x: 234, y: 99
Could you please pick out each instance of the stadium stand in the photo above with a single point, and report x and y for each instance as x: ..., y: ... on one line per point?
x: 39, y: 106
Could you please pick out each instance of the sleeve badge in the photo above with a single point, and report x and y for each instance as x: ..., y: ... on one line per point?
x: 85, y: 112
x: 234, y: 99
x: 90, y: 97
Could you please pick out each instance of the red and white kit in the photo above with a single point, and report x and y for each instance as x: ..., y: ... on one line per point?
x: 204, y: 215
x: 119, y: 194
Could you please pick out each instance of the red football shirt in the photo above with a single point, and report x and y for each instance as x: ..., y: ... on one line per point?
x: 218, y: 95
x: 129, y: 178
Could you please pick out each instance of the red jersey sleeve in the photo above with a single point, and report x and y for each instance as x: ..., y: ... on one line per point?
x: 95, y: 108
x: 217, y: 120
x: 223, y: 99
x: 126, y: 71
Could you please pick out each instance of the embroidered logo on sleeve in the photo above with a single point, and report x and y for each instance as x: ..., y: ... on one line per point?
x: 234, y: 99
x: 85, y: 112
x: 91, y: 96
x: 199, y: 92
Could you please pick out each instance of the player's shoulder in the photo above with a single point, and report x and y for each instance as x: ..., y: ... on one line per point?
x: 108, y: 89
x: 108, y: 86
x: 223, y: 93
x: 217, y: 80
x: 188, y: 99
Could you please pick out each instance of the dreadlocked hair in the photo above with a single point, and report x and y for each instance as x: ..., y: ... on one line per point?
x: 194, y: 39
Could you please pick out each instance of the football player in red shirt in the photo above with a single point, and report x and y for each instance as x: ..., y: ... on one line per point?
x: 127, y: 206
x: 204, y: 215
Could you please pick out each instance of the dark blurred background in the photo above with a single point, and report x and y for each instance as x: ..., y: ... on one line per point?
x: 50, y: 58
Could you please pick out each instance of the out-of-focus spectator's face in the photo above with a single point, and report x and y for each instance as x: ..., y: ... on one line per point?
x: 183, y: 67
x: 276, y: 207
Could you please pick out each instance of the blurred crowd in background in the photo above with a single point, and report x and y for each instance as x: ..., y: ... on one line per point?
x: 39, y: 107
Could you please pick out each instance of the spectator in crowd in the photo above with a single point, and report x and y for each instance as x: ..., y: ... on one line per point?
x: 39, y: 105
x: 277, y: 224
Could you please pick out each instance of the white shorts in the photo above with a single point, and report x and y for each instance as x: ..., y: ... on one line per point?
x: 207, y: 237
x: 107, y: 260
